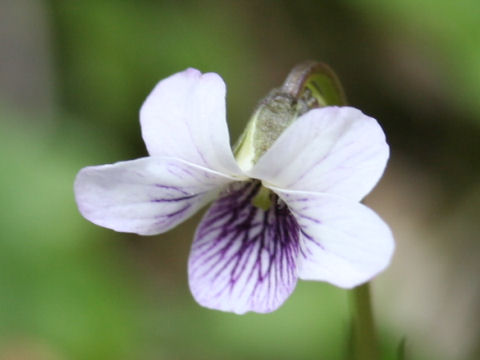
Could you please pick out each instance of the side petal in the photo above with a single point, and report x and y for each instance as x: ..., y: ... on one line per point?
x: 336, y: 150
x: 184, y: 117
x: 342, y: 242
x: 244, y: 258
x: 145, y: 196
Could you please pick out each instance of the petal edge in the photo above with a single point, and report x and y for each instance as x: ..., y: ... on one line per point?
x: 184, y: 117
x: 336, y: 150
x: 146, y: 196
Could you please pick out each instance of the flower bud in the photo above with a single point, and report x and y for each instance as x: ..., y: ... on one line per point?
x: 308, y: 86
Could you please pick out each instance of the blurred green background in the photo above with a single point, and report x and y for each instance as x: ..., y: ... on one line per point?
x: 73, y: 75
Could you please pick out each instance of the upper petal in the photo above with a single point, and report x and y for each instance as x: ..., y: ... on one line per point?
x: 343, y: 242
x: 145, y: 196
x: 244, y: 258
x: 184, y: 117
x: 336, y: 150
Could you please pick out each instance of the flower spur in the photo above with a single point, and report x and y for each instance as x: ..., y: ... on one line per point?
x: 292, y: 212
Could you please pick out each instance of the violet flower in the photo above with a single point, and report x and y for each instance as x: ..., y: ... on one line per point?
x: 293, y: 213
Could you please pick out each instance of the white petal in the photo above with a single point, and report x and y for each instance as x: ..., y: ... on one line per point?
x: 244, y: 258
x: 343, y: 242
x: 336, y: 150
x: 184, y: 117
x: 145, y: 196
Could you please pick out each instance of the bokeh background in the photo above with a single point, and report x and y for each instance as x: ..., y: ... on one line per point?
x: 73, y: 75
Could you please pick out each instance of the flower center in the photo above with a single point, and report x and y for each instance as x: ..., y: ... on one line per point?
x: 263, y: 198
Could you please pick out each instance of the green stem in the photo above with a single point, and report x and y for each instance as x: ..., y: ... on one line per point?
x: 365, y: 346
x: 319, y: 79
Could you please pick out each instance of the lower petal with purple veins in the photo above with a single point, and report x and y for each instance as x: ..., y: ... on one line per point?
x: 244, y: 258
